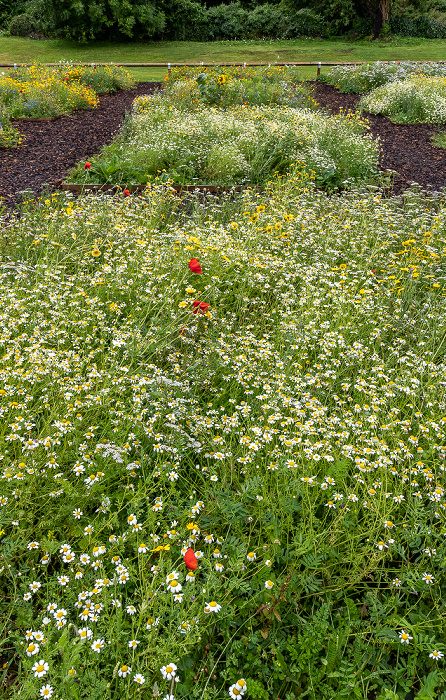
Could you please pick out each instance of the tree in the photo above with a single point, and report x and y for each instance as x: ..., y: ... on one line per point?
x: 379, y: 11
x: 89, y: 20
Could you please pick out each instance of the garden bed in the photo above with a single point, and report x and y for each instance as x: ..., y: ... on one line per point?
x: 406, y: 148
x: 50, y: 149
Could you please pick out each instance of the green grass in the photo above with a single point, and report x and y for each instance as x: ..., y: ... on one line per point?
x: 439, y: 140
x: 15, y: 49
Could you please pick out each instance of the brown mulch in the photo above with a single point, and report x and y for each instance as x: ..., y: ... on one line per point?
x: 406, y: 148
x: 51, y: 148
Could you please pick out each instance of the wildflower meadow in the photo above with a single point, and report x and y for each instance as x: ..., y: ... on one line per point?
x: 223, y: 445
x: 223, y: 436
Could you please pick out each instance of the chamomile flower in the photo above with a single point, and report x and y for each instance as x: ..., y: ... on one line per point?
x: 32, y: 649
x: 97, y: 645
x: 169, y: 671
x: 212, y: 607
x: 404, y: 637
x: 436, y: 655
x: 124, y: 671
x: 40, y: 668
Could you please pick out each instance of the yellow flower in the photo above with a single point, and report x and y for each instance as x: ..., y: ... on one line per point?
x: 95, y: 252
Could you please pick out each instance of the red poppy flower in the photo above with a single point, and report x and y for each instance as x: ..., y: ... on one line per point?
x: 190, y: 559
x: 374, y: 270
x: 87, y: 166
x: 195, y: 266
x: 126, y: 192
x: 200, y: 307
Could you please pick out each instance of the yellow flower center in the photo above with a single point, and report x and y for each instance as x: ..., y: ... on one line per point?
x: 124, y: 668
x: 169, y: 669
x: 40, y: 668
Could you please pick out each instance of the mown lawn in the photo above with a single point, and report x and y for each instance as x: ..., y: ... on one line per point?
x: 14, y: 49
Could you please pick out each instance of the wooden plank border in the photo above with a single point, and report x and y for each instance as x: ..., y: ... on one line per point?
x: 222, y: 63
x: 141, y: 188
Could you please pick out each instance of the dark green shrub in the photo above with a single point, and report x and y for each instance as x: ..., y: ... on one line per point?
x: 84, y: 21
x: 305, y: 22
x: 227, y: 22
x: 185, y: 20
x: 22, y: 25
x: 423, y: 26
x: 9, y: 9
x: 266, y: 21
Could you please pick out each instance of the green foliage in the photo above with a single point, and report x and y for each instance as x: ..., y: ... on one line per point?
x: 22, y: 25
x: 423, y: 26
x: 439, y: 140
x: 185, y: 20
x: 9, y: 9
x: 105, y: 19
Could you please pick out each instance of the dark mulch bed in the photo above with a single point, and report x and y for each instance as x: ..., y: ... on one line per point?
x: 406, y: 148
x: 52, y: 148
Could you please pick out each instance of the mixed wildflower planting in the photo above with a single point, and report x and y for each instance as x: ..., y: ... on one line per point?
x: 358, y: 79
x: 236, y: 85
x: 420, y: 98
x: 405, y: 92
x: 223, y: 446
x: 45, y: 91
x: 196, y: 132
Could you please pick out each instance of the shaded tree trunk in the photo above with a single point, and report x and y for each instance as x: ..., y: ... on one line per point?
x: 379, y: 10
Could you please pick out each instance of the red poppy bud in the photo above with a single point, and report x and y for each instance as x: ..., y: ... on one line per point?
x: 190, y: 559
x: 126, y: 192
x: 195, y: 266
x: 87, y: 166
x: 200, y: 307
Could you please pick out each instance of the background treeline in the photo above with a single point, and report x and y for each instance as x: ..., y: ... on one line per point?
x: 201, y: 20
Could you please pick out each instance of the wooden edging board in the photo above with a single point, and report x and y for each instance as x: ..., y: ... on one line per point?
x: 142, y: 188
x: 222, y: 63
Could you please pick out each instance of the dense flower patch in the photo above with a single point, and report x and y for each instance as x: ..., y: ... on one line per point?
x: 260, y: 381
x: 417, y: 99
x: 43, y: 91
x: 365, y: 77
x: 9, y: 135
x: 227, y: 86
x: 206, y: 145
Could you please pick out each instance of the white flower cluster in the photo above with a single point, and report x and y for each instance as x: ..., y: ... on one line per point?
x: 238, y: 689
x: 417, y: 99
